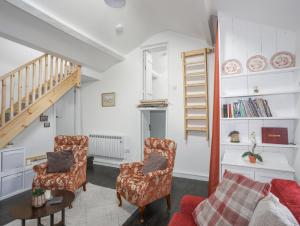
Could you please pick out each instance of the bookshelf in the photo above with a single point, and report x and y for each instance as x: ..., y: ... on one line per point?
x: 280, y: 88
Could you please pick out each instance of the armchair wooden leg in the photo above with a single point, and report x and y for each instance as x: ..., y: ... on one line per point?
x: 84, y: 186
x: 142, y: 210
x: 168, y: 198
x: 119, y: 198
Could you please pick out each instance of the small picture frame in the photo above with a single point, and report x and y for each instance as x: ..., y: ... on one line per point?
x: 108, y: 99
x: 46, y: 124
x: 43, y: 118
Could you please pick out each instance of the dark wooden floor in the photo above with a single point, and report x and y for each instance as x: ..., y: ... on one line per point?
x: 156, y: 214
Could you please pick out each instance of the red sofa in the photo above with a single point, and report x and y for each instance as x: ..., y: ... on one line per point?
x: 287, y: 191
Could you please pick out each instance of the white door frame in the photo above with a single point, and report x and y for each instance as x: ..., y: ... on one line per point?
x: 149, y: 48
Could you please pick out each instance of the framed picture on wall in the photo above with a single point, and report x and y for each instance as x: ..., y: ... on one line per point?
x: 108, y: 99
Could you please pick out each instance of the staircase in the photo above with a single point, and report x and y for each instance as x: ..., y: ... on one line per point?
x: 31, y: 89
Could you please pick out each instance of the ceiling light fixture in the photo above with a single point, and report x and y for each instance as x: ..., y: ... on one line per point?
x: 115, y: 3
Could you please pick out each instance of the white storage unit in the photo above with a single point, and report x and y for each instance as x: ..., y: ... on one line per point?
x: 274, y: 166
x: 14, y: 176
x: 240, y: 39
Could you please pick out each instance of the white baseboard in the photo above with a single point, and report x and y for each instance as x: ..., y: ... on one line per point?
x: 188, y: 175
x: 116, y: 164
x: 107, y: 162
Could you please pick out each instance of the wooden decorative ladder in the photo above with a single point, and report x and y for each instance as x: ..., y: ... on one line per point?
x: 31, y: 89
x: 195, y: 77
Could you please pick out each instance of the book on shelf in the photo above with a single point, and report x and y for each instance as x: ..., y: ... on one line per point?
x: 257, y: 107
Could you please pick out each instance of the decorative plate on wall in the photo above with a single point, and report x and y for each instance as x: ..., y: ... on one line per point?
x: 232, y: 66
x: 257, y: 63
x: 283, y: 59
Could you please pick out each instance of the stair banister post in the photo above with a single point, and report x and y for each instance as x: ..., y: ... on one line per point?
x: 3, y: 102
x: 19, y: 91
x: 27, y: 87
x: 51, y: 72
x: 11, y: 98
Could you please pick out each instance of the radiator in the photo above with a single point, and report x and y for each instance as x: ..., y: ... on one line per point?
x: 107, y: 146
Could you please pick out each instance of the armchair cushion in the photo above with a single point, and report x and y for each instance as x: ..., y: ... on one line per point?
x: 154, y: 162
x: 60, y: 161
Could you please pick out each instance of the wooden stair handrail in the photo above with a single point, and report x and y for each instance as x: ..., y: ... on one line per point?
x: 33, y: 79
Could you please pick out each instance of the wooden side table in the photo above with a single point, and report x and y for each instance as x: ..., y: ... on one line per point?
x: 24, y: 211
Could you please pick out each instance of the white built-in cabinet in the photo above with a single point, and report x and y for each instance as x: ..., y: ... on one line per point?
x: 241, y: 39
x: 15, y: 177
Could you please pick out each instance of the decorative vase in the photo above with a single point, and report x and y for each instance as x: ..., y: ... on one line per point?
x: 38, y: 201
x: 252, y: 158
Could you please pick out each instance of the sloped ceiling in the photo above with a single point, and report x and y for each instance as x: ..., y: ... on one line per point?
x: 279, y: 13
x: 140, y: 18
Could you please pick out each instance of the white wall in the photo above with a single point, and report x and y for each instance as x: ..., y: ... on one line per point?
x: 297, y: 156
x: 65, y: 114
x: 125, y: 78
x: 35, y: 138
x: 13, y: 55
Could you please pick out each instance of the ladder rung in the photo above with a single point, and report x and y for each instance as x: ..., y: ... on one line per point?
x: 196, y: 84
x: 200, y: 129
x: 195, y: 95
x: 196, y: 106
x: 195, y: 63
x: 195, y: 74
x: 196, y: 118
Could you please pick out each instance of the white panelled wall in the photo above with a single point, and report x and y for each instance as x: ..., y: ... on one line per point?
x: 297, y: 134
x: 240, y: 39
x: 126, y: 80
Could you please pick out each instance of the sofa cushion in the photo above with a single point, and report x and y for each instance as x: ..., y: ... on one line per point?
x: 270, y: 211
x: 189, y: 202
x: 155, y: 161
x: 233, y: 202
x: 60, y: 161
x: 181, y: 219
x: 288, y: 192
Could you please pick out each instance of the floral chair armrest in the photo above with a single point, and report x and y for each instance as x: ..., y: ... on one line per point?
x: 133, y: 167
x: 41, y: 168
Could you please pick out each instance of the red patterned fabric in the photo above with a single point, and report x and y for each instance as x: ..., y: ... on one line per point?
x: 233, y: 203
x: 71, y: 180
x: 288, y: 192
x: 140, y: 189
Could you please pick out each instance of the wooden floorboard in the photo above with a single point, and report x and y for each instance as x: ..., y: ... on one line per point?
x: 156, y: 214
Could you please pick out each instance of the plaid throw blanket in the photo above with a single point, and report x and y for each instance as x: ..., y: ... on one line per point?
x: 233, y: 203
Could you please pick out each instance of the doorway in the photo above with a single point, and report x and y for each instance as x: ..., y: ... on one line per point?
x: 154, y: 124
x: 155, y: 73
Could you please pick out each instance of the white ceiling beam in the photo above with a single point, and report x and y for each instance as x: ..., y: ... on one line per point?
x: 61, y: 25
x: 22, y: 27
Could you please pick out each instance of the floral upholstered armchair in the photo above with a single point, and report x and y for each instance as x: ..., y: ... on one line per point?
x: 71, y: 180
x: 140, y: 189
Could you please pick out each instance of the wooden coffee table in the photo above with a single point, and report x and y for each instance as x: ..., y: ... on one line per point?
x: 24, y: 211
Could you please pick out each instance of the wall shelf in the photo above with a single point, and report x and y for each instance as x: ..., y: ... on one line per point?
x: 279, y: 91
x: 261, y: 118
x: 290, y: 146
x: 263, y: 94
x: 267, y: 72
